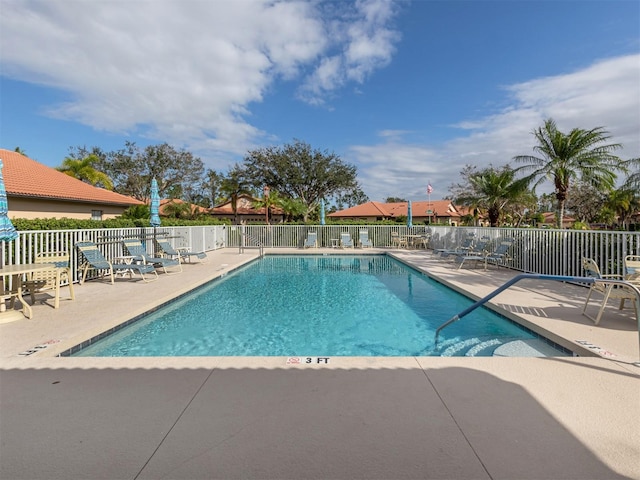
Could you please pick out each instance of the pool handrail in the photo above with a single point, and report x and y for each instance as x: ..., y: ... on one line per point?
x: 557, y: 278
x: 258, y: 244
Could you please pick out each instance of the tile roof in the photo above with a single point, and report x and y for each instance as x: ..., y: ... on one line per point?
x: 441, y: 208
x: 194, y: 208
x: 24, y: 177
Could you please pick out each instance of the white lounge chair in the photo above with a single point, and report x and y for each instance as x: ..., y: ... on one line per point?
x: 632, y: 268
x: 365, y: 241
x: 311, y: 241
x: 607, y: 290
x: 345, y: 240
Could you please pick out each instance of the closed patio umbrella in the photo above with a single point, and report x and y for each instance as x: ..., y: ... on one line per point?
x: 409, y: 215
x: 7, y: 231
x: 155, y: 210
x: 155, y: 204
x: 322, y: 221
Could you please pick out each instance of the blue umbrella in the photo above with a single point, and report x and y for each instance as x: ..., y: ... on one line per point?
x: 155, y: 204
x: 321, y: 212
x: 409, y: 215
x: 7, y: 230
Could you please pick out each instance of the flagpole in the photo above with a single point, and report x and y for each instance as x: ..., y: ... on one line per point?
x: 429, y: 201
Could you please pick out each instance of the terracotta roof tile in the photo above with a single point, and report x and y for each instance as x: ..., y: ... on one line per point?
x: 177, y: 201
x: 24, y: 177
x: 442, y: 208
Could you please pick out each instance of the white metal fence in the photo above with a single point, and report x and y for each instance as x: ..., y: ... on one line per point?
x: 30, y: 243
x: 543, y: 251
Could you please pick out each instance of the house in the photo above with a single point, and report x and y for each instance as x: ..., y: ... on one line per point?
x: 247, y: 213
x: 37, y: 191
x: 550, y: 220
x: 434, y: 211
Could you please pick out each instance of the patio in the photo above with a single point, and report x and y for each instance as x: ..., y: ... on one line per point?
x: 214, y: 417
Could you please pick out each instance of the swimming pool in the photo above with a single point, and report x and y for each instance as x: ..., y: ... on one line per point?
x: 309, y: 305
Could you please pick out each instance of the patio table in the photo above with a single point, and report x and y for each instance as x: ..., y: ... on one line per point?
x: 16, y: 272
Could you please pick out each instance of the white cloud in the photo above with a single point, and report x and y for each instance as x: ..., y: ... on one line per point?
x: 362, y: 43
x: 187, y: 72
x: 605, y: 94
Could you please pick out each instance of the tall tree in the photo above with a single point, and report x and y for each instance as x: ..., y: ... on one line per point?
x: 579, y: 155
x: 211, y: 186
x: 298, y: 171
x: 492, y: 190
x: 351, y: 198
x: 586, y: 202
x: 175, y: 171
x: 85, y: 169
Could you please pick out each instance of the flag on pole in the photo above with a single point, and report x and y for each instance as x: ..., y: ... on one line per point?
x: 429, y: 189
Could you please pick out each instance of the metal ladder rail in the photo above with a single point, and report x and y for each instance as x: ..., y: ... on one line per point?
x: 557, y: 278
x: 246, y: 236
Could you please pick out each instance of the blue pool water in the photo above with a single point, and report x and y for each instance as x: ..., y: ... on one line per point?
x: 368, y: 305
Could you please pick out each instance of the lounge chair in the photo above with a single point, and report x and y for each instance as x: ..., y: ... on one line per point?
x: 465, y: 246
x: 311, y: 241
x: 500, y: 256
x: 51, y: 279
x: 365, y: 241
x: 608, y: 290
x: 477, y: 253
x: 181, y: 253
x: 137, y: 250
x: 94, y: 259
x: 632, y: 269
x: 345, y: 240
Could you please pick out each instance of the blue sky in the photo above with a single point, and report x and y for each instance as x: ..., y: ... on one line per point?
x: 409, y: 92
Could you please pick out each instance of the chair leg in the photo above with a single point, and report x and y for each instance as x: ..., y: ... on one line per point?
x: 72, y: 294
x: 584, y: 308
x: 604, y: 304
x: 56, y: 298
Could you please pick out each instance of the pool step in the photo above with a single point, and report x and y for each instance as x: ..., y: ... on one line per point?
x: 533, y: 347
x: 488, y: 346
x: 470, y: 347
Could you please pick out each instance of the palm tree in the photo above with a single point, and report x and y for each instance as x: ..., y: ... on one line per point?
x: 492, y: 191
x: 633, y: 180
x: 234, y: 185
x: 268, y: 201
x: 565, y: 158
x: 624, y: 202
x: 84, y: 169
x: 293, y: 208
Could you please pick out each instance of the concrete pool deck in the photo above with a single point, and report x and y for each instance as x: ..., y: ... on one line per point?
x: 415, y: 417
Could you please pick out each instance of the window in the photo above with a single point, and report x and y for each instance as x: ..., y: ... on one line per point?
x: 96, y: 214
